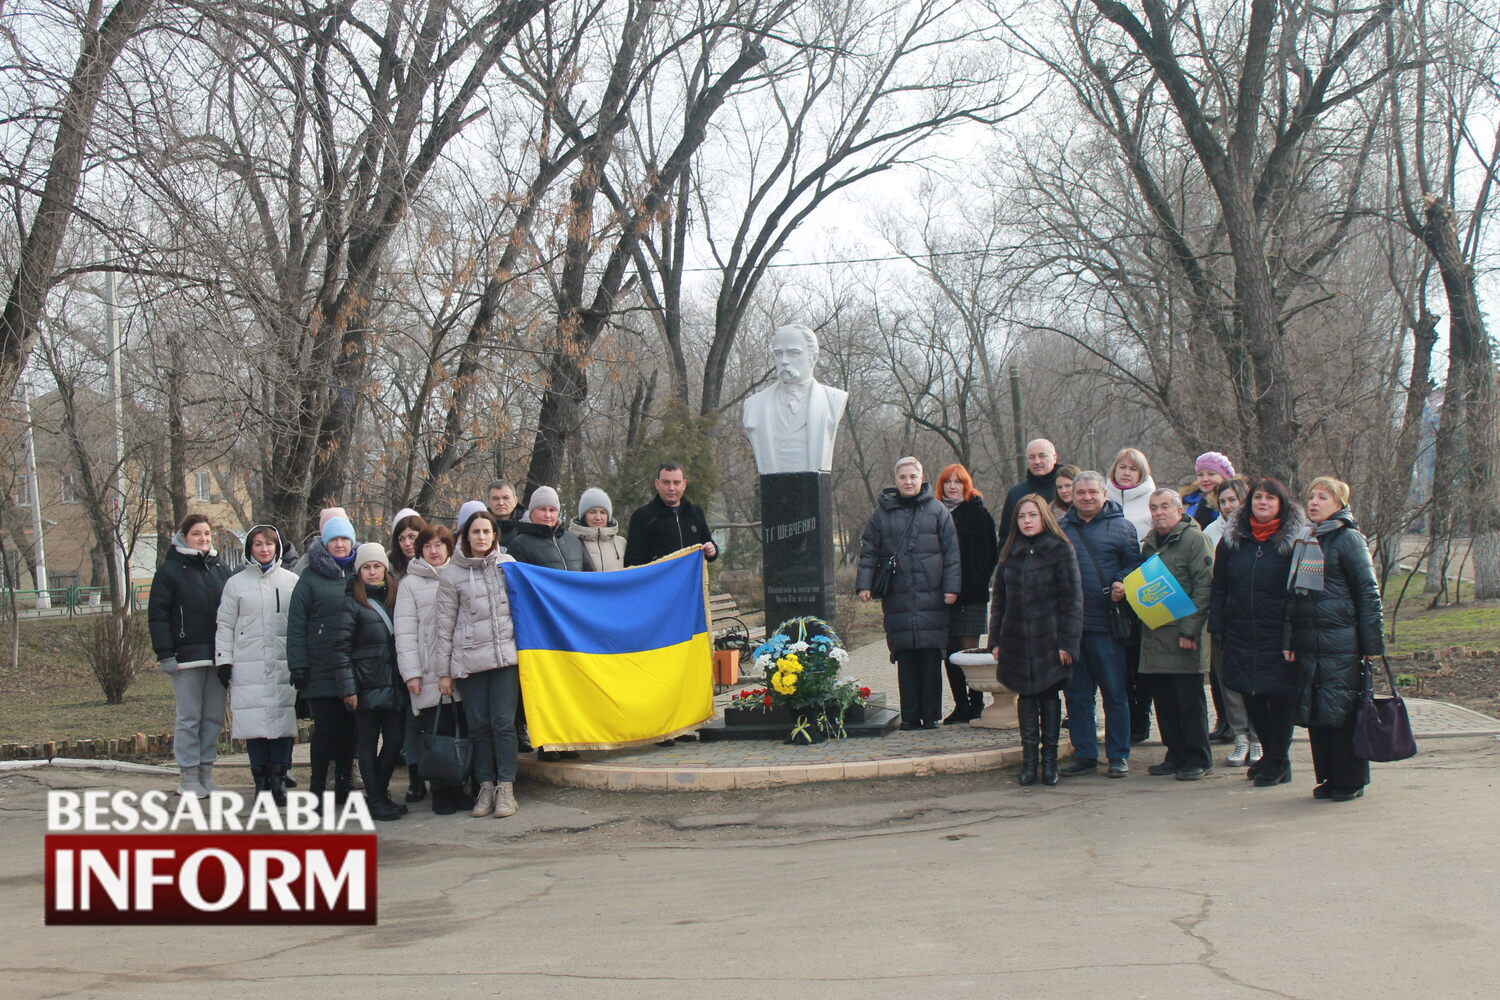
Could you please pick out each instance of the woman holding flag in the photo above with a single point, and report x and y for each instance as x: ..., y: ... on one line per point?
x: 1172, y: 660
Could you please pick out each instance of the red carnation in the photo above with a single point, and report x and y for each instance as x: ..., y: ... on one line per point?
x: 766, y: 700
x: 864, y: 692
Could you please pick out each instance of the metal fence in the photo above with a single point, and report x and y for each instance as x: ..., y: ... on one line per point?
x: 66, y: 602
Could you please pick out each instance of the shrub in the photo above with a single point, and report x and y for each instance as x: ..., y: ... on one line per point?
x: 118, y: 649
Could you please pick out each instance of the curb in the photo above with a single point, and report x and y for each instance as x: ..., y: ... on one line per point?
x: 624, y: 778
x: 86, y: 764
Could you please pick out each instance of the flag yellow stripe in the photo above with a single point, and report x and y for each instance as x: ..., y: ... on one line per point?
x: 601, y: 701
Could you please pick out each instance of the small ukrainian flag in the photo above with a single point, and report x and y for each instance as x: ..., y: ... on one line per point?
x: 1155, y: 594
x: 612, y: 659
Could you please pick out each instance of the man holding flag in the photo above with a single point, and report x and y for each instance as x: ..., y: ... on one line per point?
x: 1170, y: 594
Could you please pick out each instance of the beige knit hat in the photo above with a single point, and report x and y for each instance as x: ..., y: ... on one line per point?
x: 371, y: 552
x: 328, y: 513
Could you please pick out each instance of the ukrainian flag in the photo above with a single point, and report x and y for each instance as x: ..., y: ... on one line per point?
x: 612, y: 659
x: 1156, y: 595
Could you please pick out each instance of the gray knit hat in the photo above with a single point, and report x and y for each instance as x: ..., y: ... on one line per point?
x: 542, y: 496
x: 595, y: 497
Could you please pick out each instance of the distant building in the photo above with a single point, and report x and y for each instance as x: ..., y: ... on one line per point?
x: 73, y: 556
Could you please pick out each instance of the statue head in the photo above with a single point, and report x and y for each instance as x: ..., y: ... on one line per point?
x: 794, y: 352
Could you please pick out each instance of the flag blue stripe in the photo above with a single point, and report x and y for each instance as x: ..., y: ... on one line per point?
x: 1176, y: 601
x: 626, y: 611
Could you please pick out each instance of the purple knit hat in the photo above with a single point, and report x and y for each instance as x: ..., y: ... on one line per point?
x: 1217, y: 461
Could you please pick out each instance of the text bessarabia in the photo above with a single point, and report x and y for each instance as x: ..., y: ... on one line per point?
x: 101, y: 811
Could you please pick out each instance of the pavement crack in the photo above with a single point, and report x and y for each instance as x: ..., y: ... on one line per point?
x: 1208, y: 952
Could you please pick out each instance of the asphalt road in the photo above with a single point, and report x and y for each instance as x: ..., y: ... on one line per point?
x: 936, y: 887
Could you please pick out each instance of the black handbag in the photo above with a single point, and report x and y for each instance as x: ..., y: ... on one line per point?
x: 445, y: 758
x: 885, y: 576
x: 1382, y: 729
x: 1123, y: 624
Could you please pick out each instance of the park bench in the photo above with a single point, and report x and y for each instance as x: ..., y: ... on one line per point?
x: 730, y: 632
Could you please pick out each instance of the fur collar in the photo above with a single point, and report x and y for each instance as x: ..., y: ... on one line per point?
x: 1293, y: 523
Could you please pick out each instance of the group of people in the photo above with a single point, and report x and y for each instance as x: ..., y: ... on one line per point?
x: 1287, y: 609
x: 381, y: 643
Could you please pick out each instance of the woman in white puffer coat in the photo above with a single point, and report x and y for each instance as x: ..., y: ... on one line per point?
x: 250, y: 651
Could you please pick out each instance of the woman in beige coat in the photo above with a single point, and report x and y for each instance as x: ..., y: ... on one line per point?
x: 475, y: 647
x: 597, y: 529
x: 416, y: 655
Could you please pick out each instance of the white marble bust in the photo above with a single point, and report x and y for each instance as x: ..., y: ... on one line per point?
x: 791, y: 424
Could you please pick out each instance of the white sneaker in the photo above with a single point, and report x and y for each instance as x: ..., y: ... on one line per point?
x: 505, y: 800
x: 1240, y: 752
x: 1255, y: 753
x: 189, y: 786
x: 484, y: 802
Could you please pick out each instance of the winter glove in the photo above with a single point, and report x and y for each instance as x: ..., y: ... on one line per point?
x: 167, y: 666
x: 225, y: 669
x: 299, y: 679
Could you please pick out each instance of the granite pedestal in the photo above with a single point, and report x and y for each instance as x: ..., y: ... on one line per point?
x: 796, y: 516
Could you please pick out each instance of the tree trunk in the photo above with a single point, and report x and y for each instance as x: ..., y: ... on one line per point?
x: 19, y: 323
x: 1466, y: 490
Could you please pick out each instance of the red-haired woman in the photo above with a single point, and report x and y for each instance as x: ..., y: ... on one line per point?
x: 978, y: 551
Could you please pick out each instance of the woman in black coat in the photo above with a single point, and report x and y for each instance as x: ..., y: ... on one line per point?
x: 369, y: 681
x: 317, y: 600
x: 978, y: 551
x: 183, y: 615
x: 914, y: 527
x: 1036, y: 625
x: 1247, y: 613
x: 1336, y: 622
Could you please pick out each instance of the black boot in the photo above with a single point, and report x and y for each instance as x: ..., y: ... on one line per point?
x: 343, y: 782
x: 1051, y: 712
x: 959, y: 687
x: 416, y: 788
x: 276, y: 783
x: 976, y: 704
x: 442, y: 800
x: 259, y: 772
x: 1031, y: 735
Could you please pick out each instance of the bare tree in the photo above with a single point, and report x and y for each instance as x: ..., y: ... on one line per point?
x: 1454, y: 54
x: 102, y: 37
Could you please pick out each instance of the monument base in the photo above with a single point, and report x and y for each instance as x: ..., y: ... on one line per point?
x: 876, y: 720
x: 796, y: 517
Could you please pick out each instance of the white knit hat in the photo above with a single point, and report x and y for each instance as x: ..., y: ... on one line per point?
x: 542, y: 496
x: 402, y: 515
x: 468, y: 510
x: 595, y: 497
x: 371, y: 552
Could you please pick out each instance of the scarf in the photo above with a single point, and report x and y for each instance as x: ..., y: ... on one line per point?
x: 952, y: 505
x: 1307, y: 556
x: 1265, y: 531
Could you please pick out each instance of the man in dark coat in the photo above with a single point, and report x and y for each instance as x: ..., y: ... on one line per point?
x: 669, y: 522
x: 1105, y: 544
x: 911, y: 524
x: 1172, y: 661
x: 1041, y: 479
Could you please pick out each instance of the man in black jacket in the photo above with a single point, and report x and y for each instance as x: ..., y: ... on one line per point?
x: 1041, y: 479
x: 668, y: 523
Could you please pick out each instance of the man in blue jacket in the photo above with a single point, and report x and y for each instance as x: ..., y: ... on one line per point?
x: 1106, y: 547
